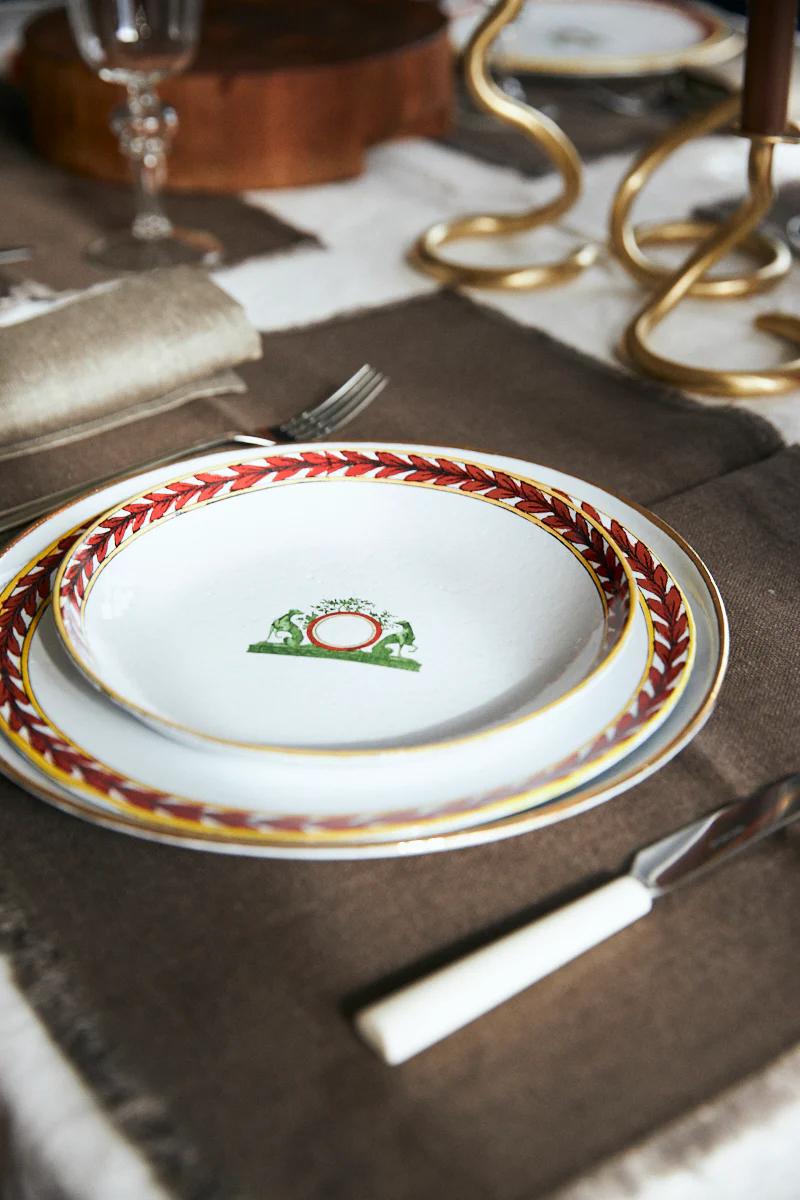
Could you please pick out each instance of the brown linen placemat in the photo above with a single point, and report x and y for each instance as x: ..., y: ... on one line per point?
x: 459, y: 373
x: 225, y: 985
x: 466, y: 375
x: 59, y: 214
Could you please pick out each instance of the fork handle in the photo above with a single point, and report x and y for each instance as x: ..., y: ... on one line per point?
x: 22, y: 514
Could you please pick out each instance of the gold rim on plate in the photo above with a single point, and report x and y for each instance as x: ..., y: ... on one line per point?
x: 78, y: 573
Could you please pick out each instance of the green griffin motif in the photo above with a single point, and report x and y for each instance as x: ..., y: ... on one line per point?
x: 383, y: 650
x: 284, y: 631
x: 288, y: 635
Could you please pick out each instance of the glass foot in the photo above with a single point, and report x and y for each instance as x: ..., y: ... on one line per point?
x: 181, y: 247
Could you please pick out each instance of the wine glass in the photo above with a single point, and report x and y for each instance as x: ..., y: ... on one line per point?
x: 138, y: 43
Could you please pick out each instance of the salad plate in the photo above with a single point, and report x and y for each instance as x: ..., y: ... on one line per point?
x: 603, y: 38
x: 82, y: 747
x: 486, y: 602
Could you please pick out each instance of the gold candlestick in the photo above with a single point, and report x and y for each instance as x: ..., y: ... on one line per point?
x: 548, y: 137
x: 773, y: 257
x: 729, y: 235
x: 763, y: 105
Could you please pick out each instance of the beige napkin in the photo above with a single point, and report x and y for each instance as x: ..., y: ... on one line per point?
x: 145, y: 344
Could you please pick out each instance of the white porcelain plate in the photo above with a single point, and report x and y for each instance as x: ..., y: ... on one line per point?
x: 392, y: 600
x: 101, y: 761
x: 601, y: 38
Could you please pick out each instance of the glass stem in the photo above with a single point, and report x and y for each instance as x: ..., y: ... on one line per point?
x: 145, y: 128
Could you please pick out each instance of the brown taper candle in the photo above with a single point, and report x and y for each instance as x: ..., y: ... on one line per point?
x: 768, y: 65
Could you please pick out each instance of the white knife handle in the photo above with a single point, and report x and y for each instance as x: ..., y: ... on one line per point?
x: 426, y: 1011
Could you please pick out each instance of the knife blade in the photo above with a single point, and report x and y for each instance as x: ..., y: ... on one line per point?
x: 15, y: 254
x: 424, y: 1012
x: 691, y: 851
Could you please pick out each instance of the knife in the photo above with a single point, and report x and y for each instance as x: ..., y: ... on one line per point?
x: 15, y: 254
x: 424, y: 1012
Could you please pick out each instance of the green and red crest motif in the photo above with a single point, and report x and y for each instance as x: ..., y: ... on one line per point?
x: 352, y: 630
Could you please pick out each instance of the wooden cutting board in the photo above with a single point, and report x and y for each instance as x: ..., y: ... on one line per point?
x: 282, y: 92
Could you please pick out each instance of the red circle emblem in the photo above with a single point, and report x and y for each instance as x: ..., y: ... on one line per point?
x: 313, y: 631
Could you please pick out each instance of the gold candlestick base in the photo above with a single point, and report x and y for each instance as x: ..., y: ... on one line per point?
x: 548, y: 137
x: 729, y: 235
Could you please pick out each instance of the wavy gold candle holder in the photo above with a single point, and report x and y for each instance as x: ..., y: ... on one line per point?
x: 773, y: 257
x: 739, y: 232
x: 728, y: 236
x: 550, y: 139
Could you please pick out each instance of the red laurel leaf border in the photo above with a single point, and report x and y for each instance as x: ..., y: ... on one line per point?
x: 33, y: 590
x: 553, y: 510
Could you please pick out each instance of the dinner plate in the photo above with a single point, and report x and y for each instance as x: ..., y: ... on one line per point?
x: 125, y: 767
x: 485, y: 600
x: 75, y: 734
x: 603, y: 38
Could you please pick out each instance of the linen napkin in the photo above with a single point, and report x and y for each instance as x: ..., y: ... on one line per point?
x: 142, y: 345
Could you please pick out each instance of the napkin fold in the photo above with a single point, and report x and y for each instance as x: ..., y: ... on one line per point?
x: 145, y: 344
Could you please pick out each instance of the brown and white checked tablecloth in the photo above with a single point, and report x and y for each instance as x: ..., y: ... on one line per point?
x: 203, y: 1000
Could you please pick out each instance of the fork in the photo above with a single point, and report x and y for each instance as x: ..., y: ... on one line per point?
x: 354, y: 395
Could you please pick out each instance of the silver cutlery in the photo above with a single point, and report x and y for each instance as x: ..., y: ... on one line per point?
x: 15, y: 254
x: 423, y: 1013
x: 314, y: 423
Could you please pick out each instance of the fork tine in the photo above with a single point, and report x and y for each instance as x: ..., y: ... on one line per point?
x: 318, y: 423
x: 332, y: 416
x: 347, y: 407
x: 361, y: 376
x: 351, y: 408
x: 306, y: 424
x: 290, y: 427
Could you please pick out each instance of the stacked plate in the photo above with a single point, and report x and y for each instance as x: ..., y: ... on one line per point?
x: 349, y: 650
x: 602, y: 38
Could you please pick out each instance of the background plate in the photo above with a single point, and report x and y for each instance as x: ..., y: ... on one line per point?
x: 603, y: 38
